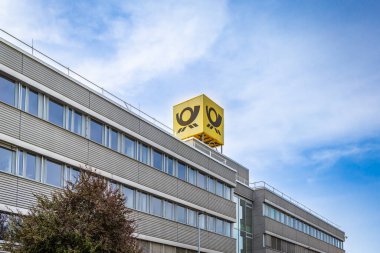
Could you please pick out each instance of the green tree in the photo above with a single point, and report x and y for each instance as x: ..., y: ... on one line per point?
x: 86, y: 216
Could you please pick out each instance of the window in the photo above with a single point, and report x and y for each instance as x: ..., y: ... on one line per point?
x: 129, y: 147
x: 211, y: 184
x: 33, y: 103
x: 114, y: 140
x: 53, y: 173
x: 31, y: 166
x: 211, y: 223
x: 157, y: 160
x: 22, y: 98
x: 169, y: 210
x: 202, y: 221
x: 191, y: 176
x: 201, y: 181
x: 219, y: 226
x: 191, y: 218
x: 8, y: 91
x: 75, y: 122
x: 143, y: 202
x: 156, y: 206
x: 6, y: 160
x: 181, y: 171
x: 170, y: 166
x: 227, y: 229
x: 96, y: 131
x: 219, y: 188
x: 129, y: 195
x: 73, y: 174
x: 144, y: 153
x: 181, y: 214
x: 56, y: 113
x: 227, y: 192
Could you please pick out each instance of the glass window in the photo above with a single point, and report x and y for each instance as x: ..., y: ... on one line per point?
x: 248, y: 218
x: 157, y: 160
x: 181, y: 214
x: 144, y: 153
x: 202, y: 221
x: 169, y: 210
x: 201, y: 181
x: 96, y: 131
x: 191, y: 218
x: 227, y: 229
x: 129, y: 147
x: 31, y: 166
x: 170, y: 166
x: 74, y: 175
x: 143, y: 202
x: 78, y: 119
x: 6, y: 160
x: 129, y: 195
x: 219, y: 226
x: 219, y: 188
x: 8, y: 91
x: 33, y: 103
x: 191, y: 176
x: 211, y: 223
x: 53, y: 173
x: 181, y: 171
x: 114, y: 139
x: 21, y: 163
x: 227, y: 192
x: 22, y: 96
x: 211, y: 184
x: 56, y: 113
x: 156, y: 206
x: 242, y: 214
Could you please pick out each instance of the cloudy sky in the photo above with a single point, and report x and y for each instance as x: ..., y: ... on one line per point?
x: 299, y: 81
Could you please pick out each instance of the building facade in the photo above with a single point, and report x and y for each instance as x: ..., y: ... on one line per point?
x: 52, y: 126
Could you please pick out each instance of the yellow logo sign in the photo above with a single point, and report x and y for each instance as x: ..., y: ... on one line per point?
x: 199, y: 117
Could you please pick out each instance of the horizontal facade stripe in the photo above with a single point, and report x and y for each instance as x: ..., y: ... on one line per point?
x: 78, y: 164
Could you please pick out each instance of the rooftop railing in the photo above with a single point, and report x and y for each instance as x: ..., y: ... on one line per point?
x: 81, y: 79
x: 264, y: 185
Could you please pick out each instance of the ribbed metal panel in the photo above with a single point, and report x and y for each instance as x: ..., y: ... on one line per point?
x: 108, y: 160
x: 244, y: 191
x: 10, y: 120
x: 55, y: 81
x: 221, y: 170
x: 221, y: 205
x: 8, y: 189
x: 157, y: 227
x: 10, y: 57
x: 114, y: 113
x: 27, y: 189
x: 187, y: 235
x: 193, y: 194
x: 157, y: 180
x: 43, y: 134
x: 221, y: 243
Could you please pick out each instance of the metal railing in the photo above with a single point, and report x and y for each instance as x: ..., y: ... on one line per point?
x: 264, y: 185
x: 81, y: 79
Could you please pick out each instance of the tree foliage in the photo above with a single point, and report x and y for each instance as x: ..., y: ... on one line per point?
x: 86, y: 216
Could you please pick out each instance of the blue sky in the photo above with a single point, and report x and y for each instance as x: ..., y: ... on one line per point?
x: 299, y: 81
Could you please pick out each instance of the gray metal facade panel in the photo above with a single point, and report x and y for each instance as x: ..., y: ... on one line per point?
x: 193, y: 194
x: 10, y: 57
x: 221, y: 205
x: 110, y: 161
x: 27, y: 189
x: 55, y: 81
x: 244, y: 191
x: 157, y: 180
x: 157, y: 227
x: 113, y: 112
x: 241, y: 171
x: 221, y: 170
x: 43, y: 134
x: 8, y: 189
x: 222, y: 243
x: 10, y: 120
x: 187, y: 234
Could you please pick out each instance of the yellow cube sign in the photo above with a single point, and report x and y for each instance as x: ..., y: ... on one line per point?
x: 199, y: 117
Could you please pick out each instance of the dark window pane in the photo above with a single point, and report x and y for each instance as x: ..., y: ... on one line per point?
x: 33, y: 103
x: 191, y: 177
x: 77, y: 123
x: 211, y: 223
x: 219, y: 188
x: 211, y: 185
x: 129, y: 197
x: 96, y: 132
x: 169, y: 210
x: 219, y: 226
x: 227, y: 229
x: 21, y: 163
x: 202, y: 221
x: 144, y: 153
x: 227, y: 192
x: 74, y: 175
x: 143, y: 202
x: 6, y: 160
x: 156, y: 206
x: 157, y: 160
x: 242, y: 214
x: 114, y: 138
x: 170, y: 166
x: 130, y: 147
x: 7, y: 91
x: 201, y: 181
x: 191, y: 218
x: 182, y: 171
x: 31, y: 166
x: 56, y: 113
x: 181, y: 214
x: 53, y: 173
x: 22, y: 97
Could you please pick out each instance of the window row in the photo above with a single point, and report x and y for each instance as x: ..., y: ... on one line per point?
x: 284, y: 246
x: 66, y: 117
x: 299, y: 225
x: 147, y: 203
x: 35, y: 167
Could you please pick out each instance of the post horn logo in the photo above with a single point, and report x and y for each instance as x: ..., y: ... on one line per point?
x: 213, y: 124
x: 187, y: 123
